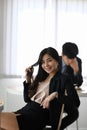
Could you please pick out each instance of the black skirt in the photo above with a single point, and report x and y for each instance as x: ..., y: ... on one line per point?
x: 32, y: 116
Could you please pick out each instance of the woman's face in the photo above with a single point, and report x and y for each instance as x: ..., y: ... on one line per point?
x: 49, y: 64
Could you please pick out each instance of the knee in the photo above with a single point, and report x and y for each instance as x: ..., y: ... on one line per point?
x: 75, y: 114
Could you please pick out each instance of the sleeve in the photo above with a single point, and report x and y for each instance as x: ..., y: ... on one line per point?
x: 78, y: 78
x: 26, y: 92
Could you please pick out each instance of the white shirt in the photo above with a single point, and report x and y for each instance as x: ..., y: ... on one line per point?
x: 42, y: 92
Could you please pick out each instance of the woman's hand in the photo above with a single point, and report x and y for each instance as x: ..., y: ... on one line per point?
x: 46, y: 102
x: 28, y: 73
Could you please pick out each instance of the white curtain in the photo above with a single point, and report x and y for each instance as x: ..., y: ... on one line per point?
x: 27, y: 26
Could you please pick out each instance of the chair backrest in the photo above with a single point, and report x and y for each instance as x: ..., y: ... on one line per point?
x: 61, y: 115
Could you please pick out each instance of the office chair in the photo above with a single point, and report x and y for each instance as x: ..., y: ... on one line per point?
x: 1, y: 108
x: 49, y: 127
x: 60, y: 120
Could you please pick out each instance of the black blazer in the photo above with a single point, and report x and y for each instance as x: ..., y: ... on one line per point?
x: 78, y: 78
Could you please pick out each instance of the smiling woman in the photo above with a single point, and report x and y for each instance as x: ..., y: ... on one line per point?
x: 27, y: 26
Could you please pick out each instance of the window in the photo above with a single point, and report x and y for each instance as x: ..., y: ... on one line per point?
x: 30, y: 25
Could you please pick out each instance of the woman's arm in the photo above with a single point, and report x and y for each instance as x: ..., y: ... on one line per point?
x: 27, y: 83
x: 26, y: 91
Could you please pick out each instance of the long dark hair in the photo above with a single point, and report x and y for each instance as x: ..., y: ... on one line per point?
x: 41, y: 74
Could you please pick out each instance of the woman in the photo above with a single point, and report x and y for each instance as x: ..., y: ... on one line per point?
x: 44, y: 96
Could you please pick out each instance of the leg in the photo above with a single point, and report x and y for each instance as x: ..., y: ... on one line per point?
x: 8, y: 121
x: 2, y: 129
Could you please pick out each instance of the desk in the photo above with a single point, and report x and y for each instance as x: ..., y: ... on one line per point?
x: 12, y: 96
x: 82, y: 92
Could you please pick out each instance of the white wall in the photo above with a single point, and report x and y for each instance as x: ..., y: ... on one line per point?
x: 11, y: 93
